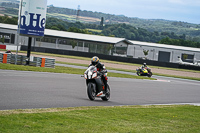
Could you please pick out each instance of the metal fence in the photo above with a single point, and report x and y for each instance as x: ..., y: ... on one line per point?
x: 22, y: 59
x: 1, y: 57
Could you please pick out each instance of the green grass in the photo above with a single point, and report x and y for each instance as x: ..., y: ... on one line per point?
x: 175, y: 76
x: 108, y: 61
x: 134, y: 71
x: 119, y: 119
x: 57, y: 69
x: 114, y: 62
x: 60, y: 69
x: 95, y: 30
x: 61, y: 16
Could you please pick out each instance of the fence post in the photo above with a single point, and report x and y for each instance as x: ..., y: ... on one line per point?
x: 4, y: 58
x: 43, y: 62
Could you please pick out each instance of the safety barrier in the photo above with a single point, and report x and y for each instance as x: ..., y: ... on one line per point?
x: 42, y: 62
x: 110, y: 57
x: 21, y: 60
x: 5, y: 58
x: 1, y: 57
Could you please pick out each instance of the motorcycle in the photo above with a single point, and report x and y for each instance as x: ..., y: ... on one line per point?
x: 144, y: 72
x: 95, y: 84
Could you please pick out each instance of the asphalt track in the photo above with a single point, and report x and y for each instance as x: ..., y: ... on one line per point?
x: 27, y: 90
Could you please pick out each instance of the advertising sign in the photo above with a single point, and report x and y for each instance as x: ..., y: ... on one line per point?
x: 32, y: 17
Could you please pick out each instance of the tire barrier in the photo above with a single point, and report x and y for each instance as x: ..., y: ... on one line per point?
x: 22, y: 59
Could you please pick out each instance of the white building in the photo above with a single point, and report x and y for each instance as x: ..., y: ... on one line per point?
x: 102, y: 45
x: 163, y: 52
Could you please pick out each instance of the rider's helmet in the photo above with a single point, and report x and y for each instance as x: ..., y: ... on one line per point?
x: 144, y: 64
x: 95, y: 60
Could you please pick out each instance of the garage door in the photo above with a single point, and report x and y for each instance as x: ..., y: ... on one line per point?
x: 164, y: 56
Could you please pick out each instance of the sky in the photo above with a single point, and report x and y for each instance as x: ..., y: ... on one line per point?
x: 177, y: 10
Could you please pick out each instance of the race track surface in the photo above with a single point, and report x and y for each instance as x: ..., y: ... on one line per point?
x: 27, y: 90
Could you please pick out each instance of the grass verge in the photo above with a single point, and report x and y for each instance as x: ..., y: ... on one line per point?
x: 121, y: 119
x: 134, y: 71
x: 175, y: 76
x: 130, y: 64
x: 60, y: 69
x: 105, y: 61
x: 108, y: 61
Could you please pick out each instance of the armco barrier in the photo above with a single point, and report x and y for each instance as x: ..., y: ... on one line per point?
x: 42, y: 62
x: 109, y: 57
x: 49, y: 62
x: 5, y: 58
x: 21, y: 60
x: 1, y: 57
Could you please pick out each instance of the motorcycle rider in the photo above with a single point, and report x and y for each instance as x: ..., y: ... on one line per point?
x: 144, y: 65
x: 144, y: 70
x: 102, y: 69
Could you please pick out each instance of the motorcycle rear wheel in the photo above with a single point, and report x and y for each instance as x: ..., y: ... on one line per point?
x: 107, y: 94
x: 91, y: 91
x: 150, y: 74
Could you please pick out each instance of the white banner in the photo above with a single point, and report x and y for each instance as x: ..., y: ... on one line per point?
x: 33, y: 17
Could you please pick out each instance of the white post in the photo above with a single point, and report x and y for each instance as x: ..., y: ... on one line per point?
x: 18, y: 32
x: 56, y: 43
x: 83, y: 45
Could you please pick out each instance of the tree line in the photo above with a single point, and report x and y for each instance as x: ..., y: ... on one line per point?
x: 180, y: 42
x: 192, y: 31
x: 115, y: 30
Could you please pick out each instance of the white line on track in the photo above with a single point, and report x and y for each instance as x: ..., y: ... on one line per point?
x: 194, y: 104
x: 161, y: 80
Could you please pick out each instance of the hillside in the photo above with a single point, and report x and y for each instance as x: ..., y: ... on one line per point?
x: 192, y: 31
x: 151, y: 25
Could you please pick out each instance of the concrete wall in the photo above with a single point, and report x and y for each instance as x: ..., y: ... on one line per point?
x: 9, y: 47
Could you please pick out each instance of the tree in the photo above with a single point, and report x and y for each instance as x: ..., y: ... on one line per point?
x: 55, y: 28
x: 146, y: 52
x: 2, y: 39
x: 73, y: 43
x: 110, y: 46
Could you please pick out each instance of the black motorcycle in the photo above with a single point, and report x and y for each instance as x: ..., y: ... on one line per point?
x: 95, y: 84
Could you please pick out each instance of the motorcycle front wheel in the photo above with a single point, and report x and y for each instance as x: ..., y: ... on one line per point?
x: 107, y: 94
x: 138, y: 73
x: 91, y: 91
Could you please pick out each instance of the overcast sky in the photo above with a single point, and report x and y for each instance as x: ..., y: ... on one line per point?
x: 179, y: 10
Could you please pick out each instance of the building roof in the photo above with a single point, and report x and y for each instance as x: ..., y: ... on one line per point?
x: 103, y: 39
x: 78, y: 36
x: 86, y: 37
x: 165, y: 46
